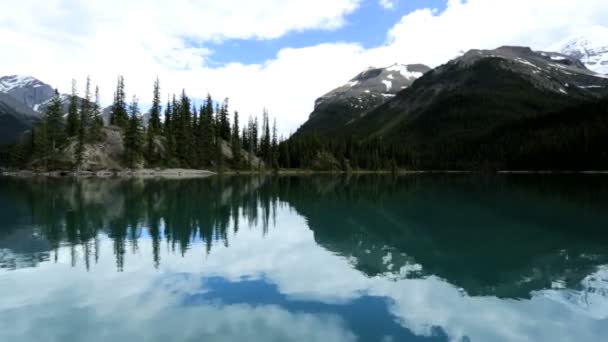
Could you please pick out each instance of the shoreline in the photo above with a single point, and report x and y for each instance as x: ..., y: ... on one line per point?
x: 195, y: 173
x: 139, y: 173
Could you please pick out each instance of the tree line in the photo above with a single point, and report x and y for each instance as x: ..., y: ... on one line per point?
x: 178, y: 134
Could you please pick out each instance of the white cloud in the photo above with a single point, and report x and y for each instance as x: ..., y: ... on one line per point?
x: 387, y: 4
x: 61, y: 39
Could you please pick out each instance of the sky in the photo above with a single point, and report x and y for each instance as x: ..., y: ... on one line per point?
x: 274, y: 54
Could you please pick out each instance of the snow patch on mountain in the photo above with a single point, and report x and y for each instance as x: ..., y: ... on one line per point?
x: 388, y: 84
x: 405, y: 72
x: 590, y: 47
x: 8, y: 83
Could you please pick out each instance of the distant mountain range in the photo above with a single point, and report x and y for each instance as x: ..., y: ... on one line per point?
x: 508, y: 108
x: 505, y: 108
x: 23, y: 102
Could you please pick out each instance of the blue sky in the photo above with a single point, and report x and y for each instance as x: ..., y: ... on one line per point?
x: 368, y: 26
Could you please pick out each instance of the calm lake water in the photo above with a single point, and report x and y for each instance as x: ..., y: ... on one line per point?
x: 369, y: 258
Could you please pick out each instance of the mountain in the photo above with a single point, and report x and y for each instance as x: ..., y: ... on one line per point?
x: 366, y: 91
x: 590, y: 47
x: 28, y: 90
x: 15, y: 118
x: 508, y: 108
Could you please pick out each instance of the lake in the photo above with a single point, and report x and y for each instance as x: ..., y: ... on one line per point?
x: 316, y: 258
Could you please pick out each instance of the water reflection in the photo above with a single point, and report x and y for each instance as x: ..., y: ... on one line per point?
x: 307, y: 258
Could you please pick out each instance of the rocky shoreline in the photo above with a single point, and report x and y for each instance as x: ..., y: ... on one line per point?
x: 127, y: 173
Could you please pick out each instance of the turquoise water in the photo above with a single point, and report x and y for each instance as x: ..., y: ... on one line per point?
x: 368, y: 258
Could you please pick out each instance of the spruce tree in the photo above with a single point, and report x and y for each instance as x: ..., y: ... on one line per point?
x: 119, y: 116
x: 224, y: 121
x: 134, y: 136
x: 154, y: 127
x: 274, y: 147
x: 219, y: 156
x: 96, y: 129
x: 184, y: 124
x: 73, y: 124
x: 206, y: 144
x: 235, y: 143
x: 265, y: 146
x: 54, y: 124
x: 85, y: 116
x: 168, y: 135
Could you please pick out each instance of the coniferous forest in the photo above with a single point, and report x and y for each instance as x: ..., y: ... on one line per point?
x: 176, y: 134
x: 491, y: 125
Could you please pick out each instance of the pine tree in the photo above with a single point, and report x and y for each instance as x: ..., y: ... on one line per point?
x: 219, y: 156
x: 274, y: 147
x: 154, y: 127
x: 85, y: 117
x: 96, y: 129
x: 224, y: 121
x: 255, y: 142
x: 73, y: 124
x: 134, y: 136
x: 207, y: 134
x: 265, y: 147
x: 184, y: 131
x: 235, y: 143
x: 119, y: 116
x: 168, y: 135
x: 54, y: 124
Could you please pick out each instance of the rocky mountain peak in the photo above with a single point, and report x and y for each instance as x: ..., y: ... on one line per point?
x: 376, y: 82
x: 590, y: 47
x: 28, y: 90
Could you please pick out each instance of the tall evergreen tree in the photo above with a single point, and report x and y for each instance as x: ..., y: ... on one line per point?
x: 274, y: 147
x: 154, y: 127
x: 85, y: 117
x: 168, y: 135
x: 219, y: 156
x: 235, y: 143
x: 207, y: 134
x: 119, y: 116
x: 224, y: 121
x: 265, y: 147
x: 54, y: 124
x: 184, y: 131
x: 254, y: 137
x: 96, y: 129
x: 134, y: 136
x: 73, y: 124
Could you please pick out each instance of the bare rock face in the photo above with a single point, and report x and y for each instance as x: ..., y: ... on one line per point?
x: 105, y: 155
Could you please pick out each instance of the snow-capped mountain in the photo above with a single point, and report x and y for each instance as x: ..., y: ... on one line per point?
x: 365, y: 92
x: 376, y: 82
x: 28, y: 90
x: 551, y: 71
x: 590, y: 47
